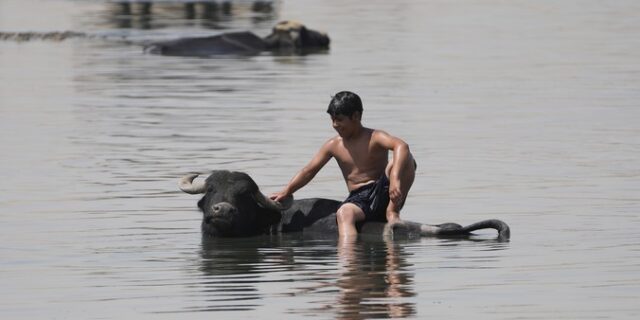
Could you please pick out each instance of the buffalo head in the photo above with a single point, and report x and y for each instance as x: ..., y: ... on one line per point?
x: 294, y: 36
x: 233, y: 205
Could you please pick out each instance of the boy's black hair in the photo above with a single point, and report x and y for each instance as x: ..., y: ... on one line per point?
x: 344, y: 103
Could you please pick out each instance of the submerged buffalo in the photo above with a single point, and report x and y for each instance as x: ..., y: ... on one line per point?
x: 234, y: 206
x: 287, y: 37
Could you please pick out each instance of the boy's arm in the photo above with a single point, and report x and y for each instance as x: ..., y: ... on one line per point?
x: 401, y: 155
x: 307, y: 173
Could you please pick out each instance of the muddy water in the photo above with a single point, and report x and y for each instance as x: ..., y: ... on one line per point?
x: 526, y: 111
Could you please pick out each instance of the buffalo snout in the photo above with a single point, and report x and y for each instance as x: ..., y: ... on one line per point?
x: 220, y: 211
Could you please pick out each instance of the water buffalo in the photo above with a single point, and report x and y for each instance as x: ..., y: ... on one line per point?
x: 287, y: 37
x: 233, y: 206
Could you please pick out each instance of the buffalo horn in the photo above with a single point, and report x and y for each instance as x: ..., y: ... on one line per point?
x: 268, y: 203
x: 187, y: 185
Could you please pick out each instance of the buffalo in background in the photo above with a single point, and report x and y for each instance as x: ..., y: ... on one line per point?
x: 287, y: 37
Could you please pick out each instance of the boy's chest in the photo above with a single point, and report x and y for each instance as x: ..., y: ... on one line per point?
x: 359, y: 154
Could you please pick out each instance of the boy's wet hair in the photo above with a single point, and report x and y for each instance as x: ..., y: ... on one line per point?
x: 345, y: 103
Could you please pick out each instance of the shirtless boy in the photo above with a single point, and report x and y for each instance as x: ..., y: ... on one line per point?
x: 377, y: 187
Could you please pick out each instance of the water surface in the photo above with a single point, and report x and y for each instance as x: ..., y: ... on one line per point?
x: 523, y: 110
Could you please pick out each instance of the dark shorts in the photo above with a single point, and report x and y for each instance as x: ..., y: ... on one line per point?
x: 372, y: 198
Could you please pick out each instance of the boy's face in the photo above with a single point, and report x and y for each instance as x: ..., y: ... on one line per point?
x: 345, y: 125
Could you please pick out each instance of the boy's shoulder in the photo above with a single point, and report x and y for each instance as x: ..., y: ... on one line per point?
x: 334, y: 139
x: 332, y: 143
x: 378, y: 132
x: 378, y: 135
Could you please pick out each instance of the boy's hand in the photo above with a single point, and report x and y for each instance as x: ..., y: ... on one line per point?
x: 279, y: 196
x: 395, y: 194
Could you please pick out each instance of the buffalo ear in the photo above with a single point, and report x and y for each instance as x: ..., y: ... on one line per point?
x: 201, y: 203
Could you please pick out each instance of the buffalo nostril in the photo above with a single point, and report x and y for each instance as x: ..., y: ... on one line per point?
x: 216, y: 208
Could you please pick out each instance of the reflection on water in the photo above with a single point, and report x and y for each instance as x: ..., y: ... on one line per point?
x: 231, y: 270
x: 235, y: 271
x: 374, y: 279
x: 370, y: 278
x: 201, y: 14
x: 348, y: 279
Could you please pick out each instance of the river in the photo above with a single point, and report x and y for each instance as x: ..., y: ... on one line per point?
x: 525, y: 111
